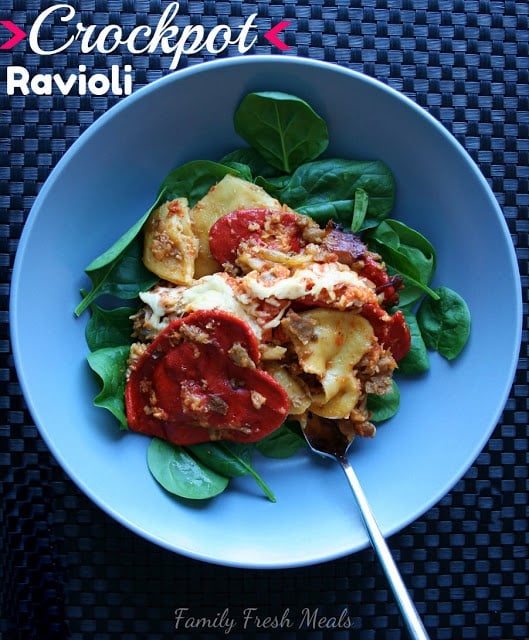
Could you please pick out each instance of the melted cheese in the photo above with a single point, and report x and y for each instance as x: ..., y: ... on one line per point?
x: 210, y: 292
x: 337, y: 283
x: 340, y: 341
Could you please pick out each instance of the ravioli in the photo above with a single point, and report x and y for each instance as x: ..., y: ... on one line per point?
x: 338, y: 343
x: 170, y: 246
x: 228, y: 195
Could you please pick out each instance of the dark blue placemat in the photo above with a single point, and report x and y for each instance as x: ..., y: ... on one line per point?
x: 69, y: 571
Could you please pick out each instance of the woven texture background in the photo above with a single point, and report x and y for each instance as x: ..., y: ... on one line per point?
x: 69, y: 571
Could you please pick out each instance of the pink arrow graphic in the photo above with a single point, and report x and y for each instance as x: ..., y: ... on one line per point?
x: 272, y: 38
x: 17, y: 36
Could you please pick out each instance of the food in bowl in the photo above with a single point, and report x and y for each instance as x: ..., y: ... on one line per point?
x: 271, y: 289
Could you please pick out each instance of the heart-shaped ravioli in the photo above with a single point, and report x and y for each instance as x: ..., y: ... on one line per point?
x: 199, y: 381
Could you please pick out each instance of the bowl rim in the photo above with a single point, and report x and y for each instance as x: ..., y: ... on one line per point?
x: 125, y: 103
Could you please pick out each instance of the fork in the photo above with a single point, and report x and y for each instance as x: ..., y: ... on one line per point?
x: 332, y: 443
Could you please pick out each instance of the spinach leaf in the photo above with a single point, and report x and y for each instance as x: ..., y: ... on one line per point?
x: 284, y: 129
x: 274, y: 185
x: 282, y: 443
x: 108, y: 327
x: 445, y: 322
x: 243, y: 170
x: 230, y: 459
x: 384, y: 407
x: 361, y: 201
x: 181, y: 474
x: 327, y: 188
x: 252, y: 159
x: 110, y: 364
x: 322, y: 212
x: 416, y: 360
x: 406, y: 252
x: 194, y: 179
x: 119, y: 271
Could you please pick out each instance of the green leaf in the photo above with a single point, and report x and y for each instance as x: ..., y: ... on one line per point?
x: 252, y: 159
x: 194, y: 179
x: 119, y: 271
x: 445, y: 322
x: 322, y: 212
x: 273, y: 186
x: 110, y: 364
x: 361, y: 202
x: 243, y: 170
x: 385, y: 406
x: 230, y: 459
x: 406, y: 252
x: 284, y: 129
x: 181, y: 474
x: 108, y: 327
x: 333, y: 183
x: 416, y: 360
x: 281, y: 443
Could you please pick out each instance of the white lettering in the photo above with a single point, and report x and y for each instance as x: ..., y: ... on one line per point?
x: 98, y: 84
x: 163, y: 29
x: 33, y: 38
x: 127, y: 80
x: 17, y: 78
x: 42, y: 83
x: 313, y: 620
x: 136, y: 33
x: 224, y: 32
x: 65, y: 86
x: 240, y: 40
x: 179, y: 615
x: 166, y: 36
x: 193, y: 47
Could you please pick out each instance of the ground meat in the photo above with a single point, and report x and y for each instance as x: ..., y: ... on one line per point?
x: 358, y: 425
x: 347, y: 246
x: 240, y: 357
x: 375, y: 370
x: 137, y: 349
x: 298, y: 326
x: 193, y: 334
x: 217, y: 405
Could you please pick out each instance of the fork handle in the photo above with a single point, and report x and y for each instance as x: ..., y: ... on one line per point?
x: 407, y: 608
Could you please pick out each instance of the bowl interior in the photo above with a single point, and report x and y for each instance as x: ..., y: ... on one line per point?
x: 105, y: 183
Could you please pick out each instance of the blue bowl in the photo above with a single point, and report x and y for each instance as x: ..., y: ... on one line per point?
x: 108, y: 179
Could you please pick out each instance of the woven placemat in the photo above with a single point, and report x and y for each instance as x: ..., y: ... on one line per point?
x: 68, y: 570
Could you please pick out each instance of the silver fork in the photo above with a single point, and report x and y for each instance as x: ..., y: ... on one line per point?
x: 332, y: 443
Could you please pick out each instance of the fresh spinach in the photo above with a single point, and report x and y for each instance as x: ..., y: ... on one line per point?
x: 385, y: 406
x: 110, y: 364
x: 406, y: 252
x: 230, y: 459
x: 285, y: 130
x: 417, y: 359
x: 283, y: 442
x: 274, y: 185
x: 108, y: 327
x: 445, y: 322
x: 194, y: 179
x: 326, y: 188
x: 252, y: 159
x: 243, y: 170
x: 181, y: 474
x: 120, y: 271
x: 361, y: 201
